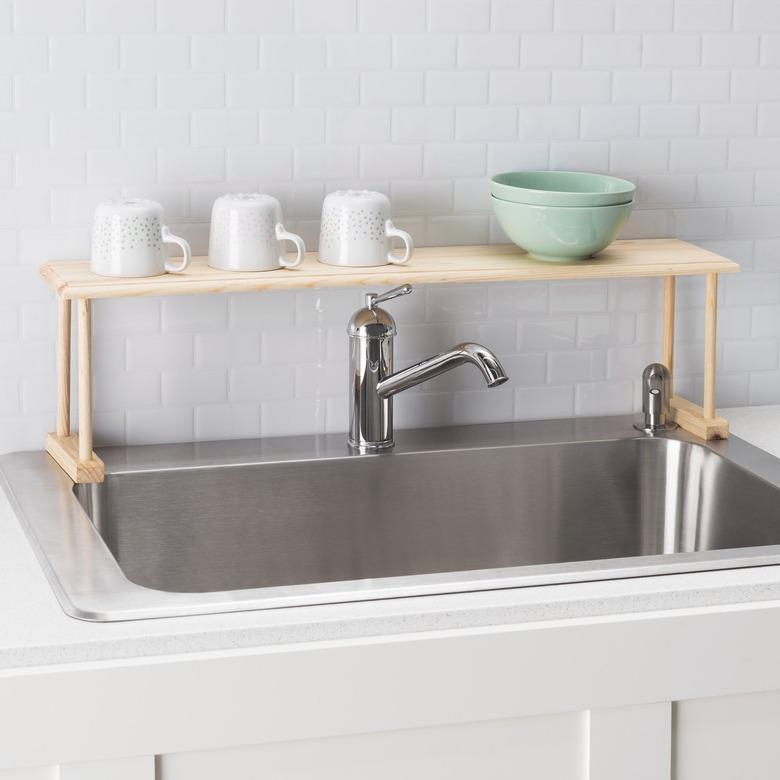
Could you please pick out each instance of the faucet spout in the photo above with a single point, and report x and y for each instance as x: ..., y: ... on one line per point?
x: 476, y: 354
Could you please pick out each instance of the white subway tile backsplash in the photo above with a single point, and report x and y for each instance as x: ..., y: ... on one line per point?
x: 584, y: 15
x: 754, y: 152
x: 725, y: 187
x: 192, y: 165
x: 120, y: 92
x: 145, y: 129
x: 549, y: 122
x: 219, y: 53
x: 767, y: 188
x: 609, y: 122
x: 488, y: 51
x: 527, y: 16
x: 191, y: 91
x: 698, y: 155
x: 516, y: 86
x: 581, y: 86
x: 764, y: 387
x: 119, y: 16
x: 194, y: 386
x: 579, y: 155
x: 214, y: 422
x: 259, y: 16
x: 159, y: 425
x: 23, y: 54
x: 458, y: 16
x: 612, y: 51
x: 551, y: 51
x: 155, y: 53
x: 756, y: 84
x: 730, y: 51
x: 333, y: 16
x: 48, y: 16
x: 424, y: 52
x: 159, y: 352
x: 703, y: 15
x: 631, y: 157
x: 119, y: 166
x: 184, y: 16
x: 728, y: 119
x: 604, y: 398
x: 480, y: 123
x: 399, y: 16
x: 84, y: 129
x: 760, y: 15
x: 423, y: 124
x: 671, y: 51
x: 359, y: 52
x: 280, y: 126
x: 642, y: 86
x: 83, y: 53
x: 45, y: 92
x: 379, y: 161
x: 391, y: 88
x: 644, y: 16
x: 454, y: 160
x: 456, y: 87
x: 547, y: 334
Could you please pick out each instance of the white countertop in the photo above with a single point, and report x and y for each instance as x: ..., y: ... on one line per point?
x: 35, y: 631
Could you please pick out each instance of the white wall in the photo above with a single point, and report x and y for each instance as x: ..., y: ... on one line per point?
x: 182, y: 100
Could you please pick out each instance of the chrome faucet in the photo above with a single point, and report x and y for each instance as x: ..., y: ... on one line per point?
x: 373, y: 383
x: 655, y: 400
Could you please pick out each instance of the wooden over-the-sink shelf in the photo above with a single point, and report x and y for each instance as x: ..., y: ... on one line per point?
x: 667, y: 258
x: 429, y: 265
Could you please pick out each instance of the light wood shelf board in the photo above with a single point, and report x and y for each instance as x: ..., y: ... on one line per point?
x: 429, y: 265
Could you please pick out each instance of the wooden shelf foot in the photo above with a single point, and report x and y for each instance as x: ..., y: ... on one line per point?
x: 65, y: 450
x: 690, y: 417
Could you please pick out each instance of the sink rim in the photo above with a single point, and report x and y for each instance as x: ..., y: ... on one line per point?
x: 90, y: 585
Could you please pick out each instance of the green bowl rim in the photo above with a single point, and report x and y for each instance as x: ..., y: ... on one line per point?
x: 630, y: 184
x: 542, y: 206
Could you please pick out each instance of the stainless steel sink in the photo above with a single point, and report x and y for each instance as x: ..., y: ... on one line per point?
x: 224, y: 526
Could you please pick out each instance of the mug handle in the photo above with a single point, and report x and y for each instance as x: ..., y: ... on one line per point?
x: 283, y: 235
x: 391, y: 231
x: 169, y: 238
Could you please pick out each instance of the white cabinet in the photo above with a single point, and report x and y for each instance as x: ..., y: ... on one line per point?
x: 686, y: 694
x: 728, y: 738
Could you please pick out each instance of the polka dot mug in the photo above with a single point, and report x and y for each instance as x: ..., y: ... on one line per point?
x: 247, y: 234
x: 356, y: 230
x: 128, y: 238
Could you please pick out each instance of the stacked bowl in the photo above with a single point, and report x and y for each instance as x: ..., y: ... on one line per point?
x: 561, y: 215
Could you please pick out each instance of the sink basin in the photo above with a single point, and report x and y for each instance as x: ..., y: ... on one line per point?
x: 224, y: 526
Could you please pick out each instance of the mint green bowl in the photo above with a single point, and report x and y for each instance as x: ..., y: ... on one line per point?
x: 561, y: 234
x: 561, y: 188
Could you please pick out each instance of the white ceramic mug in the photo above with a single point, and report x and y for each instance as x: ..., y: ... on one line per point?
x: 356, y: 230
x: 247, y: 234
x: 128, y: 237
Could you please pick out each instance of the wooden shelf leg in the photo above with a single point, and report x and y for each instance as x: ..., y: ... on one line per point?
x: 667, y: 349
x: 63, y: 366
x: 85, y: 378
x: 710, y: 344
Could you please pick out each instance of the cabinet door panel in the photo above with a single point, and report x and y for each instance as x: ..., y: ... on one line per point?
x: 728, y: 737
x: 32, y: 773
x: 545, y: 748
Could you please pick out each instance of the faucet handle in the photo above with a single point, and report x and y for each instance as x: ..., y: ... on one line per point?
x: 372, y: 299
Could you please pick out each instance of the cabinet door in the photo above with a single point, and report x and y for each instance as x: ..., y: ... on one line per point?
x: 728, y: 737
x: 546, y: 748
